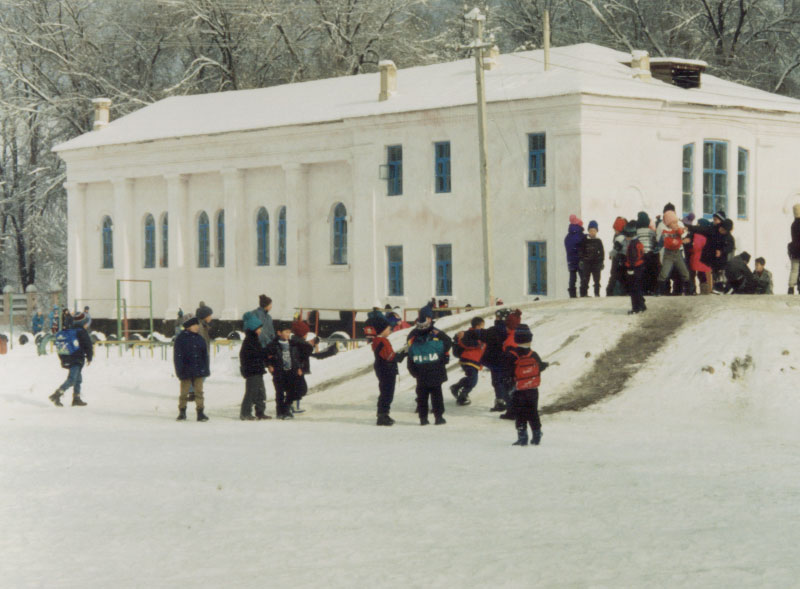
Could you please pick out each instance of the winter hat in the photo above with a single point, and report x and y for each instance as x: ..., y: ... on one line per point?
x: 619, y: 224
x: 745, y: 256
x: 630, y: 229
x: 250, y: 322
x: 796, y: 210
x: 720, y: 215
x: 669, y: 207
x: 264, y: 301
x: 378, y: 324
x: 642, y: 220
x: 502, y: 314
x: 203, y: 311
x: 669, y: 218
x: 513, y: 319
x: 281, y: 325
x: 189, y: 320
x: 761, y: 261
x: 300, y: 328
x: 426, y: 311
x: 704, y: 222
x: 727, y: 224
x: 79, y: 320
x: 593, y: 225
x: 523, y: 334
x: 574, y: 220
x: 688, y: 219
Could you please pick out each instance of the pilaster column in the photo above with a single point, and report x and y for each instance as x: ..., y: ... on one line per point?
x: 233, y: 188
x: 76, y: 240
x: 298, y: 285
x: 124, y: 235
x: 362, y: 248
x: 180, y: 244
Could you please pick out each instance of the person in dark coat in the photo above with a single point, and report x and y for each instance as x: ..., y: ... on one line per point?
x: 526, y: 366
x: 571, y: 243
x: 252, y: 365
x: 494, y: 337
x: 285, y: 363
x: 794, y: 249
x: 740, y: 278
x: 719, y: 242
x: 377, y: 330
x: 616, y: 280
x: 428, y: 356
x: 77, y: 338
x: 37, y: 323
x: 592, y: 257
x: 190, y: 357
x: 262, y: 313
x: 763, y: 277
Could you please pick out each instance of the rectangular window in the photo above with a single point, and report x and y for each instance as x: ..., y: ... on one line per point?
x: 537, y: 267
x: 537, y: 168
x: 715, y: 177
x: 741, y: 199
x: 394, y: 255
x: 444, y: 270
x: 688, y: 178
x: 442, y: 152
x: 394, y: 159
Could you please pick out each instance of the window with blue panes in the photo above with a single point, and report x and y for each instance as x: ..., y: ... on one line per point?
x: 282, y: 237
x: 164, y: 241
x: 262, y: 237
x: 339, y: 234
x: 108, y: 243
x: 149, y: 242
x: 202, y: 241
x: 715, y: 177
x: 394, y: 160
x: 221, y: 239
x: 444, y: 270
x: 537, y: 160
x: 394, y: 256
x: 741, y: 198
x: 442, y: 155
x: 688, y: 178
x: 537, y: 267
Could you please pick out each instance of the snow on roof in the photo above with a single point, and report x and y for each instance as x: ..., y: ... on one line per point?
x: 576, y: 69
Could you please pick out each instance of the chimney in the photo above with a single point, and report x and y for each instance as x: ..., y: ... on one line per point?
x: 388, y: 79
x: 640, y: 64
x: 492, y: 58
x: 101, y: 106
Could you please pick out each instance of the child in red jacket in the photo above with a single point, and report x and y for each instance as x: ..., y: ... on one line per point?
x: 634, y: 268
x: 525, y: 366
x: 469, y: 353
x: 377, y: 329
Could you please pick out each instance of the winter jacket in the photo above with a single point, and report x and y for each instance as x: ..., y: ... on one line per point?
x: 470, y: 350
x: 571, y: 243
x: 636, y: 257
x: 494, y: 337
x: 511, y: 357
x: 267, y: 328
x: 672, y: 239
x: 84, y: 352
x: 794, y: 245
x: 763, y: 282
x: 252, y: 359
x: 591, y: 251
x: 698, y: 243
x: 429, y: 374
x: 190, y: 356
x: 715, y: 242
x: 385, y: 358
x: 37, y: 324
x: 739, y: 276
x: 647, y: 237
x: 299, y: 353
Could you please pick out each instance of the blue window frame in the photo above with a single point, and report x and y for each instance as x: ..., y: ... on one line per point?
x: 164, y: 262
x: 442, y: 156
x: 537, y: 267
x: 108, y: 243
x: 537, y: 160
x: 394, y: 256
x: 221, y: 239
x: 149, y: 242
x: 688, y: 178
x: 339, y: 235
x: 444, y: 270
x: 715, y: 177
x: 741, y: 198
x: 202, y: 241
x: 282, y: 237
x: 394, y: 159
x: 262, y: 237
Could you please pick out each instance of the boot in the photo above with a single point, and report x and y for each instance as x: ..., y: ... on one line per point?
x: 454, y: 390
x: 463, y: 399
x: 261, y: 415
x: 76, y: 400
x: 247, y: 417
x: 423, y: 421
x: 572, y: 293
x: 181, y: 415
x: 537, y: 436
x: 522, y: 437
x: 201, y: 416
x: 56, y: 398
x: 384, y: 419
x: 597, y: 290
x: 439, y: 420
x: 791, y: 290
x: 499, y: 405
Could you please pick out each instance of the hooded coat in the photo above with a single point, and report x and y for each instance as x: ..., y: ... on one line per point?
x: 571, y: 244
x: 794, y: 245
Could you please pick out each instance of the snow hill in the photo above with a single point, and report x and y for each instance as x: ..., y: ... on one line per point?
x: 670, y: 458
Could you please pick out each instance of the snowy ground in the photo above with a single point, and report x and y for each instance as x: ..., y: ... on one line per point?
x: 687, y: 478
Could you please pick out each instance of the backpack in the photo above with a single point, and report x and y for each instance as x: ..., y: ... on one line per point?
x: 526, y: 371
x: 67, y: 342
x: 427, y: 349
x: 632, y: 256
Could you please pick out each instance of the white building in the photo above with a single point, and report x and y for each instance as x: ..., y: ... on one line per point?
x: 224, y: 196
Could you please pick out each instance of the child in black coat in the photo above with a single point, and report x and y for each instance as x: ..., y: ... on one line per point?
x: 377, y: 330
x: 428, y: 355
x: 252, y: 364
x: 284, y: 362
x: 526, y: 366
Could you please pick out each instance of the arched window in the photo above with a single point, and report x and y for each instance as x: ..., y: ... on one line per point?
x: 149, y: 241
x: 339, y: 234
x: 164, y: 241
x: 202, y: 240
x: 262, y: 237
x: 282, y: 236
x: 221, y: 239
x: 108, y: 243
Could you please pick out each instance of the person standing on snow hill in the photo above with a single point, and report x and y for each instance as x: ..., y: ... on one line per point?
x: 794, y: 249
x: 377, y: 330
x: 428, y: 356
x: 526, y: 366
x: 719, y: 245
x: 252, y: 365
x: 763, y: 277
x: 616, y: 282
x: 634, y: 268
x: 592, y: 257
x: 647, y: 237
x: 190, y: 357
x: 469, y: 355
x: 672, y: 253
x: 571, y: 243
x: 74, y: 348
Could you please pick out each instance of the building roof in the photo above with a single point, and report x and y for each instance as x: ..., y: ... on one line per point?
x: 576, y: 69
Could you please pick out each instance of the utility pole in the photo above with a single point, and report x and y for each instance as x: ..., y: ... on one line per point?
x: 546, y: 40
x: 479, y: 46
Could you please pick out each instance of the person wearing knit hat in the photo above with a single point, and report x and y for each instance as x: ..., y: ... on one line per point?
x: 739, y: 276
x: 191, y: 361
x: 592, y: 260
x: 252, y: 368
x: 386, y: 361
x: 719, y: 246
x: 204, y: 315
x: 672, y: 253
x: 616, y: 280
x: 428, y: 356
x: 75, y: 348
x: 634, y: 264
x: 571, y: 244
x: 719, y: 217
x: 526, y: 366
x: 267, y: 333
x: 794, y: 249
x: 669, y: 207
x: 647, y: 237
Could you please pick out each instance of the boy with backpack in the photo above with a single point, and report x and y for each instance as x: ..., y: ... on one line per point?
x: 252, y: 365
x: 634, y: 268
x: 428, y: 355
x: 377, y: 330
x: 526, y: 366
x: 469, y: 352
x: 74, y: 347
